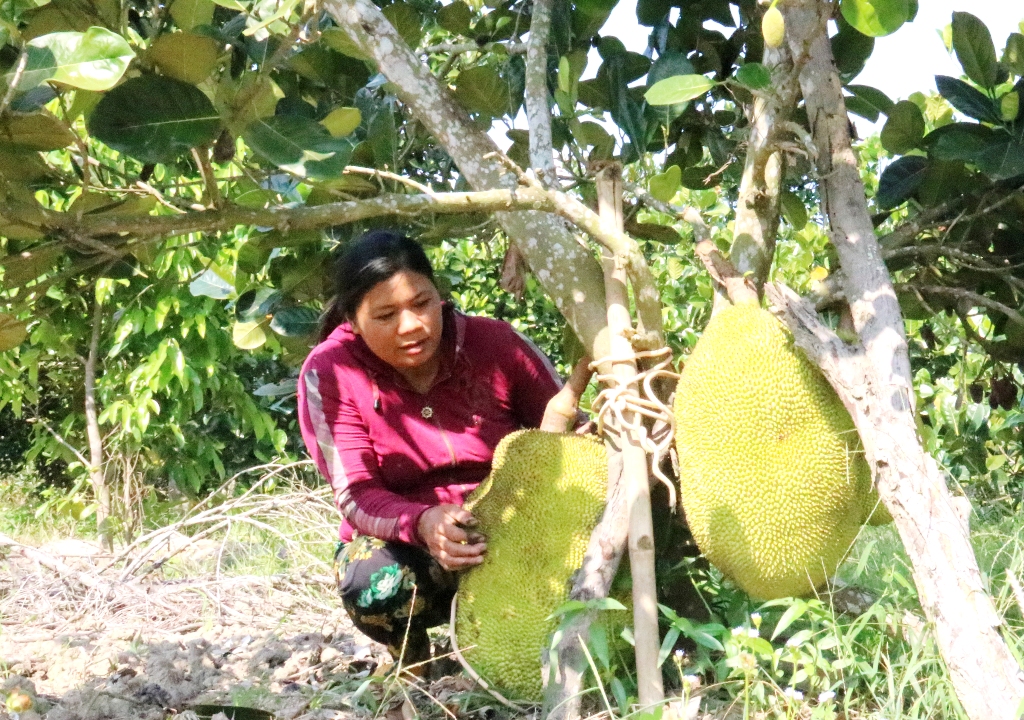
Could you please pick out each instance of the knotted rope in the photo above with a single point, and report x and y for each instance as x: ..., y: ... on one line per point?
x: 618, y: 399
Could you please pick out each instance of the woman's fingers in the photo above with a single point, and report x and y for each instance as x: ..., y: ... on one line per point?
x: 453, y: 556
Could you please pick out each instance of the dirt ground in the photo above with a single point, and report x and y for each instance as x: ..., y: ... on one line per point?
x: 155, y: 648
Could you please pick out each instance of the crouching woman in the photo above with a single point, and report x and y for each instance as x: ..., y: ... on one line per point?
x: 401, y: 405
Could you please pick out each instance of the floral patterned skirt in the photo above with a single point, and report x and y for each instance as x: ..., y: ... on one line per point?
x: 393, y: 592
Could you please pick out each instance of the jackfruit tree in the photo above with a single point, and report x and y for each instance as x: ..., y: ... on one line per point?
x: 202, y: 158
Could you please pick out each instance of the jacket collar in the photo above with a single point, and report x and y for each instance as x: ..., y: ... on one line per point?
x: 453, y: 335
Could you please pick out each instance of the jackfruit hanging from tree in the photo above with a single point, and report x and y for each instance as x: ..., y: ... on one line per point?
x: 772, y: 475
x: 538, y: 508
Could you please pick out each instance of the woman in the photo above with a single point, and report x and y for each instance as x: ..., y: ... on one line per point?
x: 401, y: 406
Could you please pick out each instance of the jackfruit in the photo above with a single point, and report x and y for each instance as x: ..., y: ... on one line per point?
x: 773, y: 27
x: 772, y: 475
x: 538, y: 507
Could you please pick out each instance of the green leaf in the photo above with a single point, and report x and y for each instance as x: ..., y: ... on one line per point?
x: 874, y: 97
x: 37, y: 131
x: 185, y: 56
x: 876, y: 17
x: 851, y: 50
x: 211, y: 284
x: 663, y: 186
x: 295, y: 321
x: 973, y: 46
x: 904, y: 129
x: 793, y: 210
x: 12, y: 332
x: 900, y: 181
x: 792, y: 614
x: 91, y: 60
x: 670, y: 64
x: 406, y: 21
x: 342, y: 121
x: 1013, y: 55
x: 967, y: 99
x: 1009, y: 106
x: 154, y: 119
x: 678, y: 89
x: 455, y: 17
x: 480, y: 89
x: 958, y: 142
x: 188, y: 14
x: 667, y: 644
x: 257, y: 304
x: 1003, y: 158
x: 754, y: 76
x: 299, y: 145
x: 248, y: 335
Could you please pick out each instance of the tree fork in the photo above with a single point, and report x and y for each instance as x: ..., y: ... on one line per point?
x: 875, y: 383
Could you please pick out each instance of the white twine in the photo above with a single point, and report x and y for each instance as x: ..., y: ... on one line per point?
x: 618, y: 399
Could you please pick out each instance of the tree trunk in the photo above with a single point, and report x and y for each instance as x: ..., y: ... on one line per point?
x: 97, y: 476
x: 538, y: 112
x: 875, y: 383
x: 757, y: 208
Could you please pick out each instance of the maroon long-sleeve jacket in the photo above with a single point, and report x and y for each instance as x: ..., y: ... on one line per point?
x: 389, y: 452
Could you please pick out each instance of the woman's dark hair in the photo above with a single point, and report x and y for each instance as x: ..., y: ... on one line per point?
x: 372, y: 259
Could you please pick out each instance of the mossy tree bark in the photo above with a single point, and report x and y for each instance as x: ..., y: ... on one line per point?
x: 874, y: 380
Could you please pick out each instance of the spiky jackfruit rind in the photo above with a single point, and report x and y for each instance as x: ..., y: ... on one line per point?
x: 538, y: 507
x: 772, y: 476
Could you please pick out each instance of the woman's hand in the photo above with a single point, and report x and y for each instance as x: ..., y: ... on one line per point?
x: 441, y: 528
x: 561, y: 411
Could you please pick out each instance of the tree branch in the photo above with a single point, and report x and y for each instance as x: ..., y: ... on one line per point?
x: 538, y: 114
x: 757, y: 208
x: 287, y: 219
x: 960, y: 294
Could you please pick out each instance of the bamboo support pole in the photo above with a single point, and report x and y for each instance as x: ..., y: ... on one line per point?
x: 634, y: 457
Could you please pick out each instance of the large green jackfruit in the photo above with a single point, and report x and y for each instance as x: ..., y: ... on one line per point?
x: 772, y: 475
x: 538, y: 507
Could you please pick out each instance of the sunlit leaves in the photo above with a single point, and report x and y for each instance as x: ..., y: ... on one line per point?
x: 876, y: 17
x: 154, y: 119
x: 91, y: 60
x: 342, y: 121
x: 185, y: 56
x: 249, y: 335
x: 678, y: 89
x: 664, y: 186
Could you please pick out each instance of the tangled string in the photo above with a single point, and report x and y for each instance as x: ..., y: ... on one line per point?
x: 617, y: 401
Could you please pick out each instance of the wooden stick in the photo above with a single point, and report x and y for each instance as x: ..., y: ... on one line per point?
x: 634, y: 457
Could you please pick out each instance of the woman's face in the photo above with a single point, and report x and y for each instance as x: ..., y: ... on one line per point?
x: 400, y: 321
